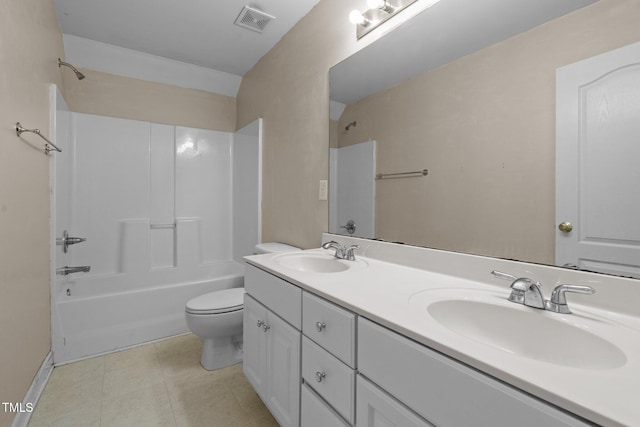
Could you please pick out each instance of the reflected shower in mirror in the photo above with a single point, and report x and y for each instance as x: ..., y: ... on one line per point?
x: 467, y: 90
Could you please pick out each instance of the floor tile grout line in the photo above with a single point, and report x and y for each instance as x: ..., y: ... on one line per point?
x: 104, y: 369
x: 166, y: 387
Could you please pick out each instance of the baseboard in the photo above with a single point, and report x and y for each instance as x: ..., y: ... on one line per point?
x: 35, y: 390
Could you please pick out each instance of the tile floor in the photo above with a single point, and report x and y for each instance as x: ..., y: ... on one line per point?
x: 156, y: 385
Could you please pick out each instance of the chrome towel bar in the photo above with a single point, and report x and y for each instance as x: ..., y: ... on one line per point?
x: 415, y: 174
x: 48, y: 147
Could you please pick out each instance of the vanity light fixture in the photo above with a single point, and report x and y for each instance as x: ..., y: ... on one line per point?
x: 383, y: 5
x: 357, y: 18
x: 379, y: 12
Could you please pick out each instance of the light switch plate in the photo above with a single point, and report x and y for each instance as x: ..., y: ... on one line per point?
x: 324, y: 186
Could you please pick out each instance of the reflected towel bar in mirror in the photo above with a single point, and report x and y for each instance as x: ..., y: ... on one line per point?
x: 415, y: 174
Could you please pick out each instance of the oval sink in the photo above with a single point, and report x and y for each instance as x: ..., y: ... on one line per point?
x: 312, y: 263
x: 535, y: 334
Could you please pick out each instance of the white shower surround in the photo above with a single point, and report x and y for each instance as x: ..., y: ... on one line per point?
x: 155, y: 203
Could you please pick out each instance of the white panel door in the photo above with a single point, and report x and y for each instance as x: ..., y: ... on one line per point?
x: 597, y: 163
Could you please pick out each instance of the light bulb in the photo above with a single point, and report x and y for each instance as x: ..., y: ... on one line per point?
x: 383, y: 5
x: 357, y: 18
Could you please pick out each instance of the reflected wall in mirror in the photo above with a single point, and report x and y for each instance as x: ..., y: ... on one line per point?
x: 481, y: 117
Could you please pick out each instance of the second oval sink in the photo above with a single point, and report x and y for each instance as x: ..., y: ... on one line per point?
x: 484, y: 317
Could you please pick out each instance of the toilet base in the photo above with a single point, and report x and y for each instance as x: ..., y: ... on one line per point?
x: 221, y: 352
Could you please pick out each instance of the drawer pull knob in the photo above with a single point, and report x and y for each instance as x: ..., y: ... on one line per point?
x: 320, y: 326
x: 260, y: 323
x: 320, y: 376
x: 265, y: 327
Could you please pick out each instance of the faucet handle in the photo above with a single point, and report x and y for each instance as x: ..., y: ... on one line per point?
x: 348, y: 253
x: 505, y: 276
x: 558, y: 301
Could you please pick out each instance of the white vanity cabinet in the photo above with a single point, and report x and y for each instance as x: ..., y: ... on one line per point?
x: 444, y: 391
x: 315, y: 363
x: 271, y: 331
x: 328, y: 360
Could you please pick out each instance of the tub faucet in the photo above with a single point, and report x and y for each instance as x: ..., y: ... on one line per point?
x: 523, y: 290
x: 342, y: 252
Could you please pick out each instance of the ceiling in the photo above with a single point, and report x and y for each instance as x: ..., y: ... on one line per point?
x: 199, y: 32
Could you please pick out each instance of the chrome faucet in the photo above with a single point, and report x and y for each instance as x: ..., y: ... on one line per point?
x: 558, y: 301
x: 523, y: 290
x: 526, y: 291
x: 342, y: 252
x: 335, y: 245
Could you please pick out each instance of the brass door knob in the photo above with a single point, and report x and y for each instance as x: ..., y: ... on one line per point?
x: 565, y: 227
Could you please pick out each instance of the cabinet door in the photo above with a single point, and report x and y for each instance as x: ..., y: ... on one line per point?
x: 254, y: 362
x: 377, y: 408
x: 443, y: 390
x: 316, y: 413
x: 283, y: 371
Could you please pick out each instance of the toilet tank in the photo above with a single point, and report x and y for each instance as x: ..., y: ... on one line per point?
x: 272, y: 247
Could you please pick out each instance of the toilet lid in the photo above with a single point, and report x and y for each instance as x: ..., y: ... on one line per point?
x: 217, y: 302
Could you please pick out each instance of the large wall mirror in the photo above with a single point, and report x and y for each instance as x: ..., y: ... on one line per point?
x: 465, y: 90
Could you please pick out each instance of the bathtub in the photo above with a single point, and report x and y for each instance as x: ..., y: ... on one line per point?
x: 99, y: 314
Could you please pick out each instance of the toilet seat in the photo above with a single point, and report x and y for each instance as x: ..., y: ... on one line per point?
x: 218, y: 302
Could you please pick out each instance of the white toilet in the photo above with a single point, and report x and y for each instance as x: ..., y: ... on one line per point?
x: 216, y: 318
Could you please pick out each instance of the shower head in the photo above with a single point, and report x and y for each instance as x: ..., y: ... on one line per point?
x: 79, y: 75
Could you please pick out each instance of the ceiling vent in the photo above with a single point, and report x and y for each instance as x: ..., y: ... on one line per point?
x: 253, y: 19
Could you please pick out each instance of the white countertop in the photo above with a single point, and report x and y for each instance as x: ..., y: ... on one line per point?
x: 380, y: 291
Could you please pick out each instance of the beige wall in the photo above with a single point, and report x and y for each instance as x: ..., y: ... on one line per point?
x: 117, y: 96
x: 496, y: 107
x: 30, y: 43
x: 484, y: 126
x: 289, y: 88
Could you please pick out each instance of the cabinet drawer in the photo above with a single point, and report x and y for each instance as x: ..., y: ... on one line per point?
x: 444, y: 391
x: 329, y: 377
x: 278, y: 295
x: 332, y: 327
x: 316, y: 413
x: 374, y: 407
